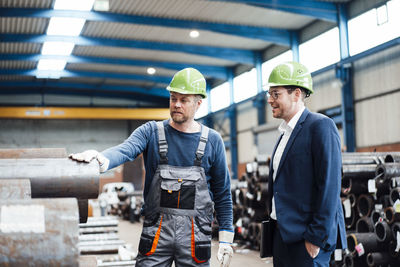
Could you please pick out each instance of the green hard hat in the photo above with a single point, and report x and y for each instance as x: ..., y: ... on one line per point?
x: 291, y: 73
x: 188, y: 81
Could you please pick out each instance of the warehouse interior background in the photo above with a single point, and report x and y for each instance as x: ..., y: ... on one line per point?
x: 90, y: 86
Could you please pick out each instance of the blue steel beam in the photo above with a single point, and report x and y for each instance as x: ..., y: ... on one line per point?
x: 155, y: 93
x: 344, y: 73
x: 232, y: 115
x: 155, y: 102
x: 207, y: 70
x: 232, y: 54
x: 80, y: 73
x: 316, y: 9
x: 279, y: 36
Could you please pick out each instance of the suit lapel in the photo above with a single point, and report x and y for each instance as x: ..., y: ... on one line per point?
x: 293, y: 136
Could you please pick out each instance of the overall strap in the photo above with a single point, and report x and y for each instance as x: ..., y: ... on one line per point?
x: 162, y: 143
x: 202, y: 145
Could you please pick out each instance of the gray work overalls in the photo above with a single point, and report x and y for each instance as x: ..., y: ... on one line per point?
x: 178, y: 212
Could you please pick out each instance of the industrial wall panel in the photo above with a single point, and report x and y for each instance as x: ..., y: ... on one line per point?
x: 211, y: 11
x: 266, y: 141
x: 127, y: 31
x: 327, y: 92
x: 377, y: 121
x: 25, y: 99
x: 65, y: 100
x: 143, y: 54
x: 74, y: 135
x: 246, y: 116
x: 246, y: 148
x: 377, y: 74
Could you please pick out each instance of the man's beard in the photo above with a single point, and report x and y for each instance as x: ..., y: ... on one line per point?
x: 179, y: 119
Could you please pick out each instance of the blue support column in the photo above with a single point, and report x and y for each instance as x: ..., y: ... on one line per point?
x: 294, y: 45
x: 344, y: 73
x: 259, y: 102
x: 233, y: 128
x: 208, y: 120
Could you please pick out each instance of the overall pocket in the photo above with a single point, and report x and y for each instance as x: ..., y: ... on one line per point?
x: 178, y: 190
x: 150, y: 235
x: 201, y: 240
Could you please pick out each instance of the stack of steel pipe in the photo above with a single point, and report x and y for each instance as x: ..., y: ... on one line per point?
x: 371, y: 203
x: 250, y: 202
x: 43, y: 197
x: 99, y: 235
x: 52, y: 174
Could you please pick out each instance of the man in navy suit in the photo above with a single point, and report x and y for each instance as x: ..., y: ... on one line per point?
x: 305, y: 174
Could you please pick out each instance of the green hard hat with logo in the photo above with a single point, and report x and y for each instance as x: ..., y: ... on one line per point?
x: 188, y: 81
x: 291, y: 73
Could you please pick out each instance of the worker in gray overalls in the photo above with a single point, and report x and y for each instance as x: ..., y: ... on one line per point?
x: 186, y: 178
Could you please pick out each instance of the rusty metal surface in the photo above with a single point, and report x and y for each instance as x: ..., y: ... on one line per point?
x: 54, y: 177
x: 15, y: 189
x: 31, y: 153
x: 39, y: 232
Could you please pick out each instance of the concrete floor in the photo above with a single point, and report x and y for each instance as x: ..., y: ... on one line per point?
x: 130, y: 232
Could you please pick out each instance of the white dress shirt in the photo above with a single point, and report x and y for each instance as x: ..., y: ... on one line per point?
x: 286, y: 130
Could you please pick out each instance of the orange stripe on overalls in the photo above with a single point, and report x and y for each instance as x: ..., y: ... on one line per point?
x: 193, y: 246
x: 155, y: 241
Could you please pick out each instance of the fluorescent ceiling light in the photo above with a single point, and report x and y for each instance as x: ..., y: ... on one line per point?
x: 101, y: 5
x: 84, y: 5
x: 65, y: 26
x: 151, y: 71
x: 194, y: 34
x: 57, y: 48
x: 51, y: 64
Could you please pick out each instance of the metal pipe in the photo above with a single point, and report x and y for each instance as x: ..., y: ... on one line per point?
x: 394, y: 195
x: 369, y: 241
x: 15, y: 189
x: 131, y: 263
x: 83, y: 206
x: 383, y: 232
x: 106, y: 249
x: 365, y: 225
x: 375, y: 259
x: 101, y: 243
x: 100, y: 223
x: 93, y: 237
x: 391, y: 216
x: 365, y: 205
x: 392, y: 157
x: 39, y: 232
x: 94, y: 230
x: 388, y: 170
x: 353, y: 186
x: 32, y: 153
x: 366, y: 171
x: 395, y: 229
x: 52, y: 177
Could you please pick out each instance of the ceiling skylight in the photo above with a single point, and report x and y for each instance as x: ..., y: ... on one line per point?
x: 65, y: 26
x: 57, y: 48
x: 84, y: 5
x: 51, y: 64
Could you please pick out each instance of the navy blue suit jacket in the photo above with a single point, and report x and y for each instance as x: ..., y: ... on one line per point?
x: 307, y: 186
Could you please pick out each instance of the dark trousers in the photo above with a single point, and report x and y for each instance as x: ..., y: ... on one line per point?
x: 296, y: 255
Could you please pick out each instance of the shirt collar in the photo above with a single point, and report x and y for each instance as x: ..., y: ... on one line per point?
x: 288, y: 127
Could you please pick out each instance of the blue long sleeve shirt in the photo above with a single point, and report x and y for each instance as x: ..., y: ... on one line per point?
x: 181, y: 152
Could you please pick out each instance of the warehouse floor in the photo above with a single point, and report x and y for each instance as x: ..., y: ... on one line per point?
x: 130, y: 232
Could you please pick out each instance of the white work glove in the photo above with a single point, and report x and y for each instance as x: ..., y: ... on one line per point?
x: 225, y: 251
x: 89, y: 155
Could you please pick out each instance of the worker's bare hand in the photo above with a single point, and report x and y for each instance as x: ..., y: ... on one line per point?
x: 312, y: 249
